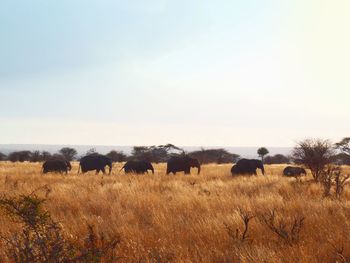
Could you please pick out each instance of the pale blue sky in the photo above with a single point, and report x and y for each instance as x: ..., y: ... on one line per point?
x: 230, y: 73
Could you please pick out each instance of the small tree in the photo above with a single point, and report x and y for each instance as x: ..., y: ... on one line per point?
x: 20, y: 156
x: 276, y: 159
x: 262, y: 152
x: 68, y: 153
x: 91, y: 151
x: 218, y: 156
x: 315, y: 154
x: 116, y: 156
x: 2, y: 157
x: 344, y: 145
x: 45, y: 155
x: 35, y: 157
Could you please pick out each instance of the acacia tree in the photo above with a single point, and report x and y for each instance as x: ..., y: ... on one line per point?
x: 2, y: 157
x: 68, y: 153
x: 276, y: 159
x: 116, y: 156
x: 344, y: 145
x: 262, y: 152
x: 154, y: 153
x: 315, y: 154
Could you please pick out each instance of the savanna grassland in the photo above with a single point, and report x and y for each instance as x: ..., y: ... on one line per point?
x: 194, y: 218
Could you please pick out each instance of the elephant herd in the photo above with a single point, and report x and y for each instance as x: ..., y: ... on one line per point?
x: 98, y: 163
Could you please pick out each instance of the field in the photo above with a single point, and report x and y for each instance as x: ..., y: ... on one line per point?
x: 193, y: 218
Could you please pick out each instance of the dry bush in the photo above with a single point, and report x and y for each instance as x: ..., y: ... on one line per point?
x: 315, y: 154
x: 288, y: 231
x: 241, y: 234
x: 333, y: 176
x: 40, y: 239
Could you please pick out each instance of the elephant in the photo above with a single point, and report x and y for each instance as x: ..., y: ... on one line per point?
x: 182, y: 163
x: 59, y: 166
x: 294, y: 171
x: 247, y: 166
x: 139, y: 167
x: 96, y: 162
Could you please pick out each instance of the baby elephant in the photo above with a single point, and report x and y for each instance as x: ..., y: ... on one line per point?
x: 294, y: 171
x: 138, y: 167
x: 59, y: 166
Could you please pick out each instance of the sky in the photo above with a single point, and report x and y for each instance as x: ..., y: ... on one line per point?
x: 187, y: 72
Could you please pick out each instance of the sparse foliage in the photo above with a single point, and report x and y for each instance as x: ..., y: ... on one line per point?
x: 91, y: 151
x: 239, y: 234
x: 154, y: 154
x: 332, y: 175
x: 315, y: 154
x: 344, y: 145
x: 288, y: 231
x: 42, y: 240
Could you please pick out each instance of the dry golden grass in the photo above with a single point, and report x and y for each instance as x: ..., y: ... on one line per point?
x: 182, y: 218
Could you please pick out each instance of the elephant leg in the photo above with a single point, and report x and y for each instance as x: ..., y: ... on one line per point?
x: 187, y: 171
x: 97, y: 171
x: 103, y: 170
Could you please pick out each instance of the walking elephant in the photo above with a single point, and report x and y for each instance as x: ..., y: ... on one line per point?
x: 59, y: 166
x: 182, y: 164
x: 294, y: 171
x: 247, y: 166
x: 138, y: 167
x: 96, y: 162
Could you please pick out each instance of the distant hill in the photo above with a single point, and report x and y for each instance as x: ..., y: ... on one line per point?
x: 248, y: 152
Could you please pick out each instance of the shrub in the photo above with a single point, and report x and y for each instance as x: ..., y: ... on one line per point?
x: 315, y: 154
x: 287, y: 230
x: 40, y: 239
x: 332, y: 176
x: 239, y: 234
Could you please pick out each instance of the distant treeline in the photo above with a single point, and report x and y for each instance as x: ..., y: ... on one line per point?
x: 155, y: 154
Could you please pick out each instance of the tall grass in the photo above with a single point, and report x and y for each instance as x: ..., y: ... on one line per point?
x: 192, y: 218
